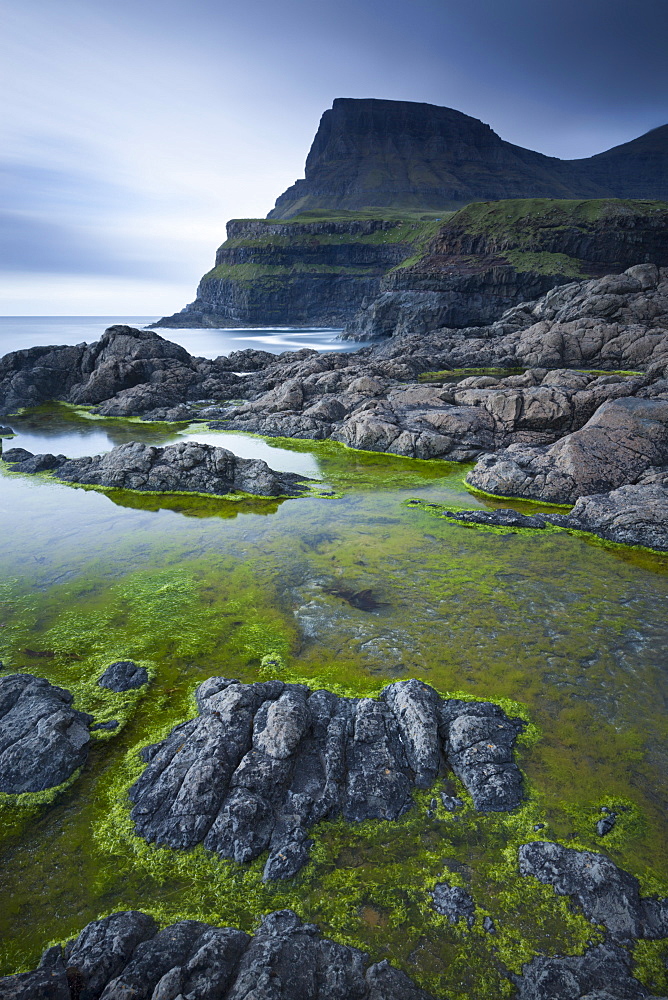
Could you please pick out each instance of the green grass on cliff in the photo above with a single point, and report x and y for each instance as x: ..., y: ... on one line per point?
x: 514, y: 216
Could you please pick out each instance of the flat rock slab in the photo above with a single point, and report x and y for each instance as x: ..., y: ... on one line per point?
x: 43, y: 740
x: 125, y: 955
x: 124, y: 675
x: 184, y: 467
x: 263, y: 762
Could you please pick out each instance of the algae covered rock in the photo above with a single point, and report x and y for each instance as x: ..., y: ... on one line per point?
x: 43, y: 740
x: 264, y: 762
x: 125, y: 956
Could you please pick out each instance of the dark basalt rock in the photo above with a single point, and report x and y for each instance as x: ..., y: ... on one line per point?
x: 184, y: 467
x: 602, y: 973
x: 453, y: 902
x: 124, y: 675
x: 43, y: 740
x: 263, y: 762
x: 6, y: 432
x: 607, y: 895
x: 125, y: 956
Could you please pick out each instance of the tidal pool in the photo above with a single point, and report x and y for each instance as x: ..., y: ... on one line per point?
x: 568, y: 631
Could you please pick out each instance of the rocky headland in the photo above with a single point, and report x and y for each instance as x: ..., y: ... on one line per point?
x: 264, y: 762
x: 186, y: 467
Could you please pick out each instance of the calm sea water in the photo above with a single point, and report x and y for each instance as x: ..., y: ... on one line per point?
x: 19, y: 332
x: 571, y: 629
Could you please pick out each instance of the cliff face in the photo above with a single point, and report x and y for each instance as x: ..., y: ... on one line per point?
x: 299, y: 273
x: 422, y: 157
x: 490, y: 256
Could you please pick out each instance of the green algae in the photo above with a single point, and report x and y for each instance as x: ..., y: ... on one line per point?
x: 569, y: 629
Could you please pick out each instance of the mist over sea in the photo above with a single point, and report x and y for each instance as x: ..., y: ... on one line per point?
x: 20, y: 332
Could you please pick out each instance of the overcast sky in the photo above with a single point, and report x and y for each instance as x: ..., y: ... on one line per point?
x: 132, y: 130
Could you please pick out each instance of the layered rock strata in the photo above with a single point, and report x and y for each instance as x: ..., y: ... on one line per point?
x: 126, y: 956
x: 43, y: 740
x: 492, y: 256
x: 263, y: 762
x: 306, y: 273
x: 186, y: 467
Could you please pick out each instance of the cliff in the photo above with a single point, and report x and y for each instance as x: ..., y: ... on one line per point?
x: 490, y: 256
x: 423, y: 157
x: 311, y: 271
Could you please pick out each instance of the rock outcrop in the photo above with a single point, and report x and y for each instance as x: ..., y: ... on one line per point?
x: 607, y: 894
x: 43, y: 740
x: 263, y: 762
x: 399, y: 153
x: 624, y: 438
x: 125, y: 956
x: 186, y: 467
x: 604, y: 972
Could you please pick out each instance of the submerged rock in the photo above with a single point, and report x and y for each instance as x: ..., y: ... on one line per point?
x: 263, y: 762
x: 124, y: 675
x: 184, y: 467
x: 126, y: 956
x: 43, y: 740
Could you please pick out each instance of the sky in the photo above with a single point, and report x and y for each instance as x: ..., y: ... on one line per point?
x: 132, y: 130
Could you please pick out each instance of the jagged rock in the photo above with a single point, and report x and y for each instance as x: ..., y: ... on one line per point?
x: 125, y: 956
x: 616, y: 446
x: 264, y: 762
x: 124, y: 675
x: 184, y: 467
x: 43, y: 740
x: 607, y: 895
x: 602, y: 973
x: 453, y: 902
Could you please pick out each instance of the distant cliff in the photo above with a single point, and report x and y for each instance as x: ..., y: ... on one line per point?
x: 422, y: 157
x: 307, y: 272
x: 490, y: 256
x: 381, y: 177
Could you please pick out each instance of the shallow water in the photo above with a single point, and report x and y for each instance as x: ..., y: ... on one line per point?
x: 571, y: 629
x: 20, y: 332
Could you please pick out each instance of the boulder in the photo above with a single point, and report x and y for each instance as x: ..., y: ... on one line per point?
x: 43, y: 740
x: 124, y: 675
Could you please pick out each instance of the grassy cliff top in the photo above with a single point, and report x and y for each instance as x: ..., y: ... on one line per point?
x: 507, y: 217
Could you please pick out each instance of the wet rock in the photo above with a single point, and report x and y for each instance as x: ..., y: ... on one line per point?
x: 184, y: 467
x: 263, y: 762
x: 489, y: 925
x: 479, y: 738
x: 607, y: 895
x: 111, y: 724
x: 43, y: 740
x: 451, y: 802
x: 104, y: 948
x: 125, y: 956
x: 630, y: 515
x: 6, y: 431
x: 606, y: 824
x: 25, y: 461
x: 124, y: 675
x: 496, y: 518
x: 602, y: 973
x: 453, y: 902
